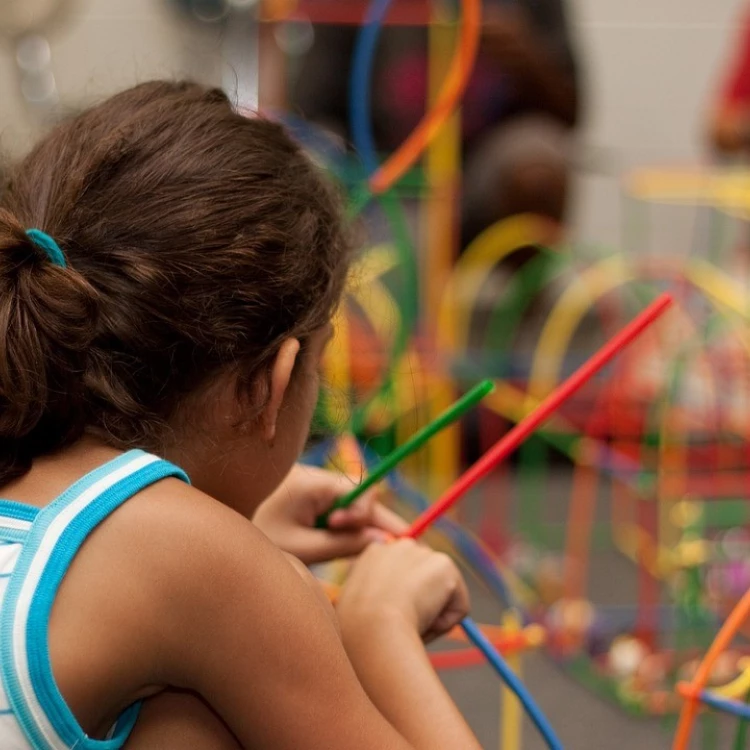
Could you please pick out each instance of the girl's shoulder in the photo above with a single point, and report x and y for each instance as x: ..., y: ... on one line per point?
x: 149, y: 583
x: 177, y: 528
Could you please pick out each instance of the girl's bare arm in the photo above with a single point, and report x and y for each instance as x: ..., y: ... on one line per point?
x: 244, y: 630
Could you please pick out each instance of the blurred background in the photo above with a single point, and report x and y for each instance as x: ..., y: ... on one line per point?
x: 651, y: 71
x: 608, y: 119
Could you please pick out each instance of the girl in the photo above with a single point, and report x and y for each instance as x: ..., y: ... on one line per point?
x: 168, y: 271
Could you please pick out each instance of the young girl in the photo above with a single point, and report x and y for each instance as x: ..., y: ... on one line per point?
x: 168, y: 270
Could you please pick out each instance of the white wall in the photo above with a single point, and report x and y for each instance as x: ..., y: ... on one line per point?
x: 101, y: 46
x: 652, y: 66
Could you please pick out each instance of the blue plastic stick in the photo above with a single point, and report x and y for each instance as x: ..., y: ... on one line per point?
x: 723, y: 704
x: 496, y: 661
x: 360, y: 81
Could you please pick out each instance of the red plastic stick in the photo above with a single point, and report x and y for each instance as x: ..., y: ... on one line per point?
x: 507, y: 444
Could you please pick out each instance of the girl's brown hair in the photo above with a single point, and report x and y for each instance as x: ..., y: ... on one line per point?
x: 196, y: 240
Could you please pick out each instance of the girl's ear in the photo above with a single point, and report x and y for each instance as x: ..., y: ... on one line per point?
x: 281, y: 375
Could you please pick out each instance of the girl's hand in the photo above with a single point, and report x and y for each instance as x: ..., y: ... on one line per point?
x: 403, y: 582
x: 288, y: 517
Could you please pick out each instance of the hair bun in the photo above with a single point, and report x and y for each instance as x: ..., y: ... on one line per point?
x: 48, y: 319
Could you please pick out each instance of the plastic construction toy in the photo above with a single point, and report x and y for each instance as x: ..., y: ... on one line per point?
x: 646, y: 468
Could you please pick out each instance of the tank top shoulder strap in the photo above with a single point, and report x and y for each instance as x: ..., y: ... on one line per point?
x: 55, y: 536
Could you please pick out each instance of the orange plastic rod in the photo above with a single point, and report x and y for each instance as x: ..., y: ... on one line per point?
x: 396, y: 166
x: 692, y: 690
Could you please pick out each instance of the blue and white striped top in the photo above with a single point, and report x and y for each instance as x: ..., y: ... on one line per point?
x: 36, y: 548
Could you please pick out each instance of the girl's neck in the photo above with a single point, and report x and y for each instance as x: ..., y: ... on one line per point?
x: 49, y: 476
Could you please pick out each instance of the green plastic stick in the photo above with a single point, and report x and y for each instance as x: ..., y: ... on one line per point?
x: 414, y: 443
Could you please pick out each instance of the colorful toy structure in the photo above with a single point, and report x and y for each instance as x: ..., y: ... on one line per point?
x: 649, y: 463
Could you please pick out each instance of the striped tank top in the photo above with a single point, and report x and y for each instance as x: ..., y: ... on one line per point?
x: 37, y: 545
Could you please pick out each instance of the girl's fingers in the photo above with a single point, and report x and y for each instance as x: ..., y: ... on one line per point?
x: 329, y: 545
x: 445, y: 622
x: 371, y: 514
x: 357, y: 515
x: 384, y: 518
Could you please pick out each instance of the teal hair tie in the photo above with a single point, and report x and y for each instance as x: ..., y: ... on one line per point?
x: 43, y: 241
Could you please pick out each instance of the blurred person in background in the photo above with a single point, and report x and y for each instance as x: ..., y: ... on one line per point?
x: 729, y: 127
x: 518, y: 113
